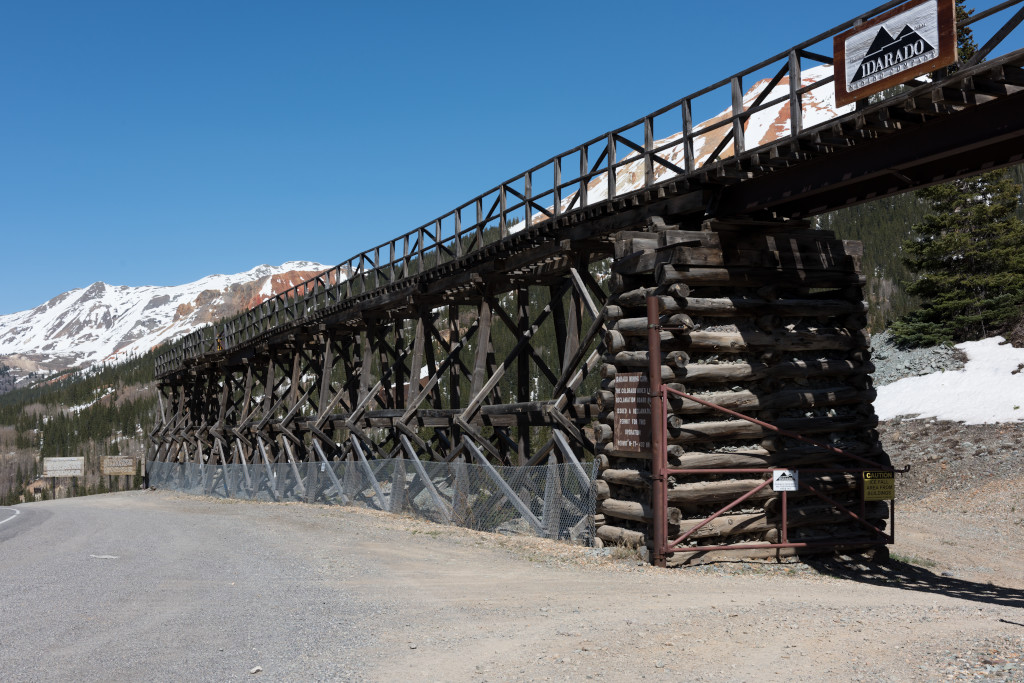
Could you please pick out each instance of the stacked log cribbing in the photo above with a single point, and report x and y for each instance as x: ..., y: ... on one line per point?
x: 768, y: 321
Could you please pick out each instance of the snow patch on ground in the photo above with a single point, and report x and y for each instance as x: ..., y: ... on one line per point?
x: 988, y: 390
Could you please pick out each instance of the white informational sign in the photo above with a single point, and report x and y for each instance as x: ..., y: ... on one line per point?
x: 115, y: 465
x: 785, y: 480
x: 63, y: 467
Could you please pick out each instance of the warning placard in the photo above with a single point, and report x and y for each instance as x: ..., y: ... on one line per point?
x: 879, y: 485
x: 632, y: 412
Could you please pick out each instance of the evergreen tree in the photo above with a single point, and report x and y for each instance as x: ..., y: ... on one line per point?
x: 970, y: 256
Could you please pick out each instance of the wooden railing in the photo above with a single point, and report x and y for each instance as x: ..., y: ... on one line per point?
x: 650, y: 151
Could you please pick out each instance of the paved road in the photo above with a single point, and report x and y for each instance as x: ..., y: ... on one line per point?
x: 134, y: 587
x: 156, y: 586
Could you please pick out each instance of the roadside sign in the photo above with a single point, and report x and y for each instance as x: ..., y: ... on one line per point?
x: 113, y: 465
x: 63, y: 467
x: 785, y: 480
x: 632, y: 412
x: 879, y: 486
x: 914, y: 39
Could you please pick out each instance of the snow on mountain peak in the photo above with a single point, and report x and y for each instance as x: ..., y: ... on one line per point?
x: 104, y: 322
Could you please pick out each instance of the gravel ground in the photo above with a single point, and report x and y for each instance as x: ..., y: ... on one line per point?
x: 162, y: 586
x: 893, y: 363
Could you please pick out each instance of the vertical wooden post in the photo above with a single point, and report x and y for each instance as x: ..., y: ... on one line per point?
x: 523, y: 372
x: 396, y: 500
x: 584, y: 171
x: 366, y: 369
x: 483, y: 343
x: 738, y: 141
x: 552, y: 500
x: 659, y: 454
x: 611, y: 165
x: 454, y: 375
x: 691, y: 163
x: 413, y: 386
x: 648, y: 146
x: 796, y: 111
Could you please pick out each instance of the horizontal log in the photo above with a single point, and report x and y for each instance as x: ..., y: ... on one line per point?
x: 760, y: 457
x: 667, y: 274
x: 742, y: 401
x: 637, y: 512
x: 731, y: 306
x: 601, y: 490
x: 668, y: 374
x: 612, y: 313
x: 752, y: 306
x: 616, y: 535
x: 746, y: 372
x: 634, y: 478
x: 680, y: 431
x: 637, y: 327
x: 760, y: 522
x: 682, y: 558
x: 704, y: 492
x: 635, y: 298
x: 615, y: 341
x: 642, y: 359
x: 647, y: 261
x: 829, y: 339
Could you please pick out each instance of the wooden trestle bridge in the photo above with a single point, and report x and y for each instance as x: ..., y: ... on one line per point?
x: 497, y: 331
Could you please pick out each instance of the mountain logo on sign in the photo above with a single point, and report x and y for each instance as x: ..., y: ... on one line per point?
x: 887, y: 52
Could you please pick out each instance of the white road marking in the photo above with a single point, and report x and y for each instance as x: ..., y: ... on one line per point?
x: 104, y: 557
x: 16, y: 513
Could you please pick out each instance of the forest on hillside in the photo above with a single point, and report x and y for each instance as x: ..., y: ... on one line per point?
x: 884, y: 226
x: 103, y: 410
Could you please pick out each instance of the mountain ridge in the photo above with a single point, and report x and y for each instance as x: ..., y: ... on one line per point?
x: 106, y: 323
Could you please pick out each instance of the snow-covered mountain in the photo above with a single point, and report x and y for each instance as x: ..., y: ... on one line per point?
x: 108, y: 322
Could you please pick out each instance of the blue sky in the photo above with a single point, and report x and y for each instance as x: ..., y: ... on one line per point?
x: 158, y: 142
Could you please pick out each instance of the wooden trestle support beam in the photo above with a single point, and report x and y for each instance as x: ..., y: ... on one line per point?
x: 515, y: 370
x: 502, y: 369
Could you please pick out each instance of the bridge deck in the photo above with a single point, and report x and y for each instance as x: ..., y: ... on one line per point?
x: 955, y: 125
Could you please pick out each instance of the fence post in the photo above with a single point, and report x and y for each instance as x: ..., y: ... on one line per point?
x: 460, y: 512
x: 552, y: 499
x: 397, y: 499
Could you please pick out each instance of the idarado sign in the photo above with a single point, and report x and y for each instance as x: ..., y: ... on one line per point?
x: 914, y: 39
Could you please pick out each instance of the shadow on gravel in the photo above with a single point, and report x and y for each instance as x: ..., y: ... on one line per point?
x: 896, y: 574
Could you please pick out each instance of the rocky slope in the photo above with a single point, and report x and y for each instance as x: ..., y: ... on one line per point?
x: 101, y: 322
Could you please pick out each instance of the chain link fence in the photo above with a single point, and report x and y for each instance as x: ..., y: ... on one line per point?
x: 553, y: 501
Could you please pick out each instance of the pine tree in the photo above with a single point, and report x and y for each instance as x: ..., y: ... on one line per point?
x: 970, y: 258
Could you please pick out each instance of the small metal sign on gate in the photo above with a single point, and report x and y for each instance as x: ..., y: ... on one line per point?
x: 785, y: 480
x: 914, y: 39
x: 632, y: 412
x: 879, y: 486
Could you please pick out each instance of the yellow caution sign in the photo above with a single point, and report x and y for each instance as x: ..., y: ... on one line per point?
x: 879, y: 486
